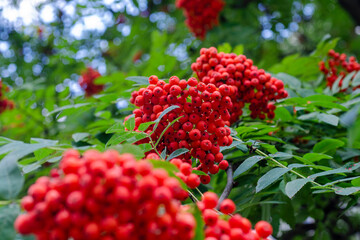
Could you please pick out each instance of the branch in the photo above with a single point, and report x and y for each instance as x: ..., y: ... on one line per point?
x: 228, y: 187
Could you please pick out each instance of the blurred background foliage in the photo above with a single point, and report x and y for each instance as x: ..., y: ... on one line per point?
x: 46, y: 45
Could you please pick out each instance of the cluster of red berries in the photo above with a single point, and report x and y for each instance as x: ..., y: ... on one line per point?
x: 201, y: 15
x: 105, y: 196
x: 250, y: 84
x: 234, y: 227
x: 201, y: 128
x: 338, y: 66
x: 86, y: 82
x: 5, y: 104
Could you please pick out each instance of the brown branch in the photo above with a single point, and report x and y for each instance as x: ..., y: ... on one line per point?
x: 228, y: 187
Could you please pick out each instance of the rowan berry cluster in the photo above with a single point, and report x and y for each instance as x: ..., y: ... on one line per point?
x: 234, y: 227
x: 201, y: 15
x: 5, y: 103
x: 105, y: 196
x: 201, y: 128
x: 251, y: 84
x: 86, y: 82
x: 338, y: 65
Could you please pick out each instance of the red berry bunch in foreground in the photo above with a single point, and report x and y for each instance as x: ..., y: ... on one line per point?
x: 86, y: 82
x: 203, y: 111
x: 234, y: 227
x: 252, y: 85
x: 201, y: 15
x: 105, y: 196
x: 338, y: 65
x: 5, y: 104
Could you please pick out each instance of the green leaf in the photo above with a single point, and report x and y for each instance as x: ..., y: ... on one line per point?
x: 130, y: 123
x: 349, y: 117
x: 273, y: 175
x: 163, y: 154
x: 356, y: 80
x: 177, y: 153
x: 116, y: 128
x: 282, y: 114
x: 294, y: 186
x: 335, y: 87
x: 225, y: 47
x: 281, y: 155
x: 199, y: 229
x: 321, y: 98
x: 325, y: 104
x: 342, y: 180
x: 314, y: 157
x: 80, y: 136
x: 119, y: 138
x: 247, y: 164
x: 165, y: 165
x: 347, y: 191
x: 234, y: 144
x: 328, y: 118
x: 346, y: 81
x: 42, y: 153
x: 8, y: 215
x: 137, y: 150
x: 270, y: 177
x: 289, y: 80
x: 344, y: 169
x: 140, y: 80
x: 239, y: 49
x: 143, y: 126
x: 200, y: 173
x: 75, y: 106
x: 327, y: 145
x: 11, y: 179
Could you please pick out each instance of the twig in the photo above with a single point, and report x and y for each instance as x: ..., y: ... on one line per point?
x: 228, y: 187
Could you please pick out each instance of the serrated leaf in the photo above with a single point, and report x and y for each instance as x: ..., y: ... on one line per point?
x: 8, y: 215
x: 281, y: 155
x: 130, y: 123
x: 137, y: 150
x: 327, y: 145
x: 314, y: 157
x: 200, y: 173
x: 11, y: 179
x: 341, y: 180
x: 346, y: 81
x: 116, y: 128
x: 270, y: 177
x: 329, y: 119
x: 347, y: 191
x: 344, y: 169
x: 79, y: 105
x: 143, y: 126
x: 80, y: 136
x: 177, y: 153
x: 321, y: 97
x: 140, y: 80
x: 119, y: 138
x: 335, y: 87
x: 294, y: 186
x: 247, y: 164
x: 163, y: 154
x: 234, y: 144
x: 356, y: 80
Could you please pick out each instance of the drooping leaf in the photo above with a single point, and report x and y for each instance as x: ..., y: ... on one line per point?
x: 177, y: 153
x: 8, y: 215
x: 247, y: 164
x: 327, y: 145
x: 11, y: 179
x: 294, y: 186
x: 80, y: 136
